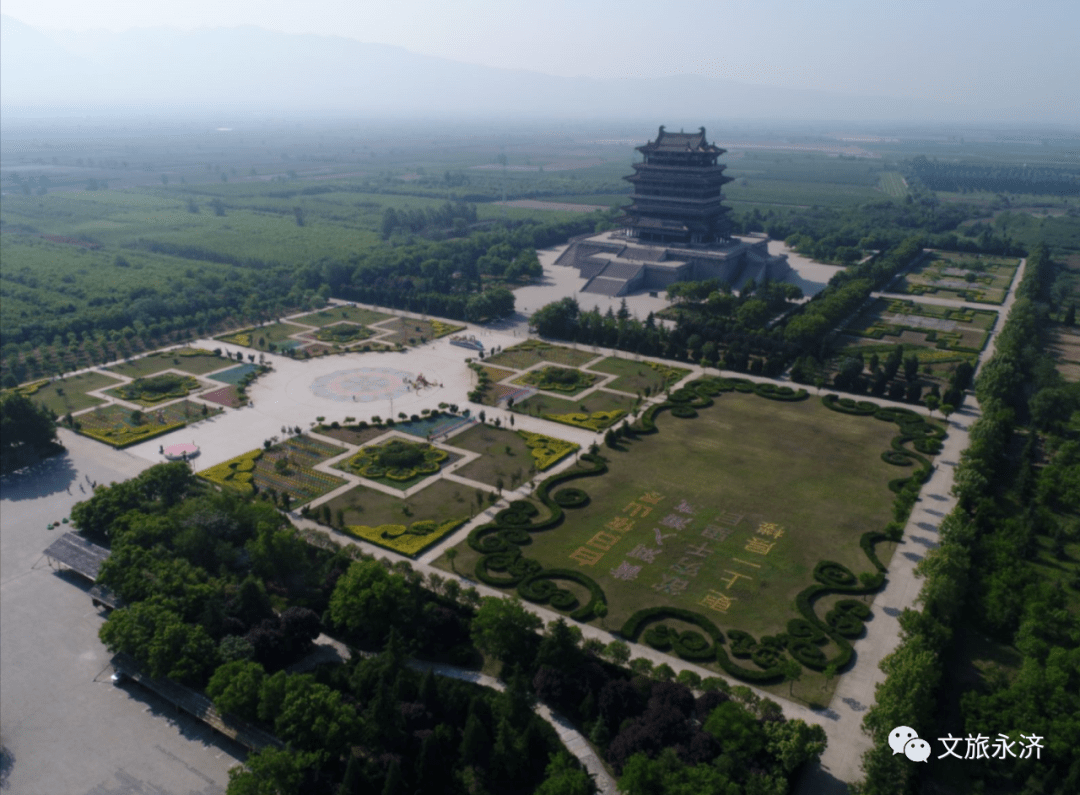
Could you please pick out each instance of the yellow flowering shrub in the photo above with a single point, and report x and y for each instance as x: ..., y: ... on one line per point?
x: 406, y: 540
x: 546, y: 450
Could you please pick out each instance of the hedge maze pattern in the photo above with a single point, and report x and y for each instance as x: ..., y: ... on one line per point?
x: 502, y: 564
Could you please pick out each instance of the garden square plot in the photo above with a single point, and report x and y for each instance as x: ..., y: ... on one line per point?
x: 391, y: 522
x: 236, y: 374
x: 969, y: 277
x: 68, y: 394
x: 189, y: 360
x: 122, y: 427
x: 566, y: 381
x: 596, y: 411
x: 638, y: 377
x: 725, y: 514
x: 343, y: 333
x: 277, y: 334
x: 410, y: 331
x: 155, y: 389
x: 530, y: 352
x: 398, y: 462
x: 285, y: 467
x: 947, y: 328
x: 505, y: 455
x: 356, y: 314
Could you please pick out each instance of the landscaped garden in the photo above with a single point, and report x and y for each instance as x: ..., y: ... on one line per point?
x: 196, y: 361
x: 567, y: 380
x: 343, y: 333
x: 967, y: 277
x: 530, y: 352
x: 281, y: 469
x: 275, y: 336
x: 947, y: 328
x: 407, y: 526
x: 336, y: 314
x: 597, y: 411
x: 120, y: 426
x: 68, y: 394
x: 397, y: 462
x: 508, y: 457
x: 410, y: 331
x: 155, y: 389
x: 644, y: 377
x: 724, y: 516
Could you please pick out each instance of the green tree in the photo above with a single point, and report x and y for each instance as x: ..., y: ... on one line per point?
x: 155, y: 635
x: 794, y: 742
x: 235, y: 688
x: 369, y: 599
x: 273, y: 771
x: 27, y: 432
x: 565, y: 776
x: 313, y: 717
x: 504, y: 629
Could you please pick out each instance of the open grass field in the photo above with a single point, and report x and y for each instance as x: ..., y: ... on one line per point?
x: 637, y: 377
x: 197, y: 364
x: 525, y: 355
x: 354, y: 314
x: 69, y: 394
x: 946, y: 328
x: 966, y: 277
x: 726, y: 514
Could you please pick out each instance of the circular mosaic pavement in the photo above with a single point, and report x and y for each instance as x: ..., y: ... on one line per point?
x: 363, y: 385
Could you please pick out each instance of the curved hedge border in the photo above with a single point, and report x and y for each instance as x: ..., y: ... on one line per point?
x: 503, y: 566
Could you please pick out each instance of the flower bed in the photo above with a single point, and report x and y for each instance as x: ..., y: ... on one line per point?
x: 546, y: 450
x: 225, y: 396
x: 409, y: 540
x: 236, y: 473
x: 260, y: 469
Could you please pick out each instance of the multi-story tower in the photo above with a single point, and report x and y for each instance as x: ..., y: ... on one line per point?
x: 677, y: 192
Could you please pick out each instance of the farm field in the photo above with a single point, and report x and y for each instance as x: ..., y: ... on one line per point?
x: 965, y: 277
x: 892, y: 184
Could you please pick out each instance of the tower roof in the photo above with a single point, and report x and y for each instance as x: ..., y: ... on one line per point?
x: 680, y: 142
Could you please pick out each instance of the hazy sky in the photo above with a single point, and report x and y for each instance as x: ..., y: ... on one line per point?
x: 988, y: 53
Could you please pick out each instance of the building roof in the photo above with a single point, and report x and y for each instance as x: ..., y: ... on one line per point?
x: 680, y: 142
x: 78, y: 554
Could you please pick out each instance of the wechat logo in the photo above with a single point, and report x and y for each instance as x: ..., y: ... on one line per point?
x: 905, y: 740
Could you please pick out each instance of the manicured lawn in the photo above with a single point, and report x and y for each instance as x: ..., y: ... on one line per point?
x: 351, y: 436
x: 356, y: 314
x: 69, y: 394
x: 526, y: 354
x: 598, y: 400
x: 117, y: 425
x: 496, y: 462
x: 365, y: 454
x: 198, y: 364
x: 410, y: 331
x: 740, y: 502
x: 636, y: 377
x: 156, y: 389
x: 562, y: 380
x: 286, y: 468
x: 261, y: 338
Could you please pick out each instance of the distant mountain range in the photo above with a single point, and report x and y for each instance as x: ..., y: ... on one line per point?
x: 248, y: 69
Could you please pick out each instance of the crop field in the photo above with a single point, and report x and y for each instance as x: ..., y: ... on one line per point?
x: 966, y: 277
x: 892, y: 184
x: 798, y: 194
